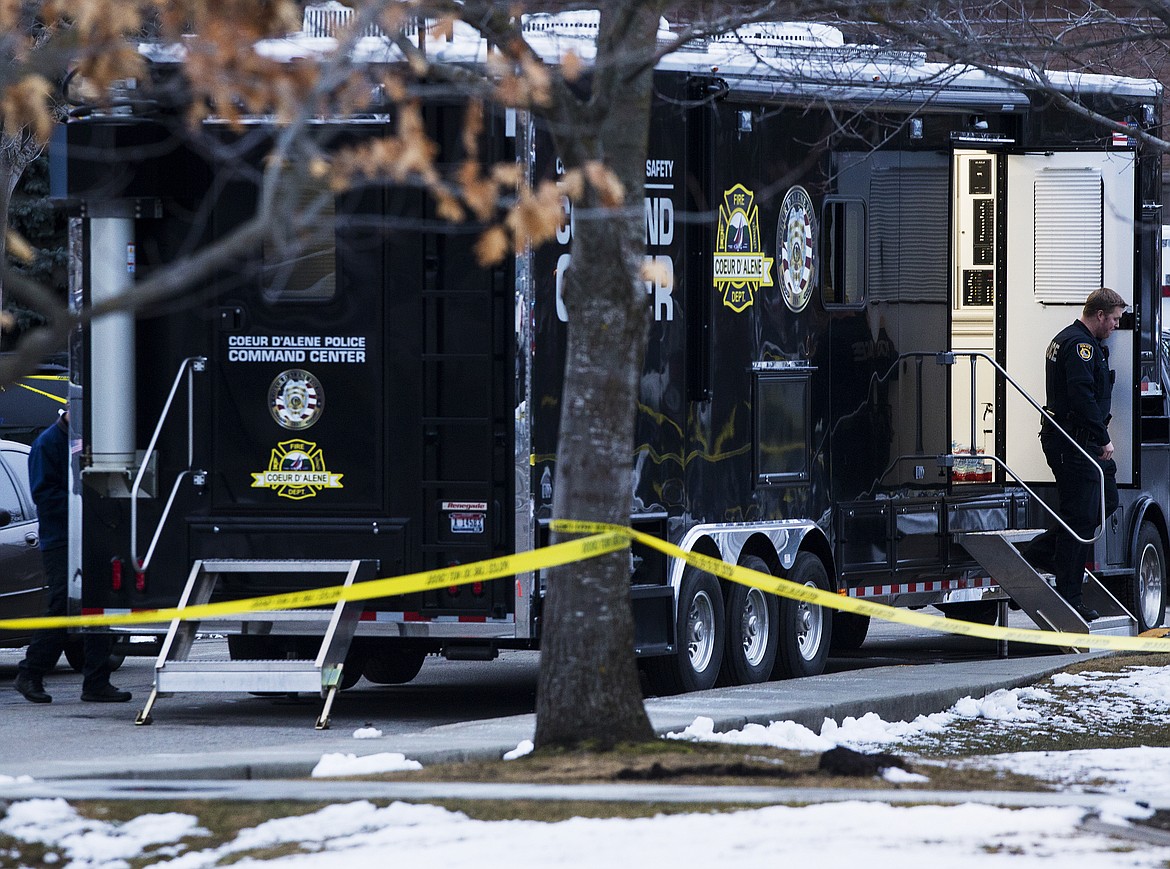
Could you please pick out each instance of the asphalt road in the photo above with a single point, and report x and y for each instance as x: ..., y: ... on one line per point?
x: 444, y: 692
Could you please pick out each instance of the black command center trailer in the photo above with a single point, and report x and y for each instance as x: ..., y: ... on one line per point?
x: 860, y: 258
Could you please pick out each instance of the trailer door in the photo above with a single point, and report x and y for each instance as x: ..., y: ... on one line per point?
x: 1070, y: 224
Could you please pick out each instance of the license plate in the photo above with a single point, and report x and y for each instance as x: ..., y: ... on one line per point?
x: 467, y: 523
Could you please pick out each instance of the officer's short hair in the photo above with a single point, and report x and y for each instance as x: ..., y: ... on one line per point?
x: 1103, y: 300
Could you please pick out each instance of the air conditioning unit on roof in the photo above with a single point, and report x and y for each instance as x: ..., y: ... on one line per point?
x: 785, y: 33
x: 329, y: 19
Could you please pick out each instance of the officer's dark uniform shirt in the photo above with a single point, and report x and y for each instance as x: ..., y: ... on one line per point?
x: 1079, y: 384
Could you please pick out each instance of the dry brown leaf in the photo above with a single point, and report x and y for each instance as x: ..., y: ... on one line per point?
x: 319, y: 167
x: 492, y: 246
x: 506, y: 174
x: 573, y: 184
x: 571, y: 65
x: 9, y: 14
x: 478, y: 192
x: 539, y: 80
x: 395, y: 88
x: 536, y: 216
x: 657, y: 272
x: 19, y: 247
x: 27, y: 104
x: 447, y: 206
x: 472, y: 127
x: 444, y: 28
x: 609, y: 187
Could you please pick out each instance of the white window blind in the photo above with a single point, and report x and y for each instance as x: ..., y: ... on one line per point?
x: 908, y: 254
x: 1069, y: 233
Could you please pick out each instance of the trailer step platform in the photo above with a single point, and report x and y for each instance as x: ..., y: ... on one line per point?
x: 174, y: 672
x: 1033, y: 592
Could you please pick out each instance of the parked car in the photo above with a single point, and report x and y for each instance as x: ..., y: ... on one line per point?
x: 22, y: 578
x: 23, y: 589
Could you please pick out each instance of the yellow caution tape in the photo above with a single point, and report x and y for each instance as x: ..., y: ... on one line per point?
x: 463, y: 574
x: 604, y: 538
x: 58, y: 398
x: 777, y: 585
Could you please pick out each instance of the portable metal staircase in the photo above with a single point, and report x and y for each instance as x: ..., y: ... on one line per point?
x: 1033, y: 591
x: 174, y: 671
x: 996, y: 550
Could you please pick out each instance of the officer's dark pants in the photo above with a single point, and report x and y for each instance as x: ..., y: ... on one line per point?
x: 47, y: 645
x: 1078, y: 489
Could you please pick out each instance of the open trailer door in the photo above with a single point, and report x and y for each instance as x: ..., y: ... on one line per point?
x: 1070, y: 219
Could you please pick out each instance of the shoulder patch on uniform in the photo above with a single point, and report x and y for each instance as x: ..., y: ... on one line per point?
x: 1085, y: 351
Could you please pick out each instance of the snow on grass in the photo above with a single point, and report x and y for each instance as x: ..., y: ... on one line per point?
x: 341, y: 764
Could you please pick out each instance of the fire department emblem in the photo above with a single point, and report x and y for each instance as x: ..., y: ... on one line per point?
x: 796, y: 233
x: 740, y: 265
x: 296, y: 470
x: 296, y: 399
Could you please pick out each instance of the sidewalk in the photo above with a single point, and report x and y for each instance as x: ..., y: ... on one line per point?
x: 898, y: 693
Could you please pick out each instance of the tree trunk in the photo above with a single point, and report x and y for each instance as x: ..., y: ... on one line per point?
x: 589, y: 693
x: 16, y: 152
x: 9, y: 175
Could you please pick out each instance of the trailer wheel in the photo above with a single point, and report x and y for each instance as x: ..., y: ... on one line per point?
x: 1144, y: 593
x: 753, y: 628
x: 699, y: 626
x: 806, y: 630
x: 75, y: 655
x: 394, y: 668
x: 849, y: 631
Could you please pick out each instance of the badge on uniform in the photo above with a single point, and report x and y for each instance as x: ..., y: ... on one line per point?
x: 1085, y: 351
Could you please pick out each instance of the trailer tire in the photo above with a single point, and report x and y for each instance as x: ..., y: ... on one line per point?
x: 395, y: 667
x: 806, y: 630
x: 1144, y: 593
x: 75, y: 654
x: 849, y: 631
x: 699, y: 626
x: 753, y: 629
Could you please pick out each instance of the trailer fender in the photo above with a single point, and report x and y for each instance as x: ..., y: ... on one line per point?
x: 1146, y: 510
x: 729, y: 541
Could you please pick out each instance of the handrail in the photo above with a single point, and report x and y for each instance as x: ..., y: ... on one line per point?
x: 188, y: 366
x: 948, y: 359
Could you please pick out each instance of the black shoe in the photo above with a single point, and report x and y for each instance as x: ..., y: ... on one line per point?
x: 1087, y: 613
x: 33, y: 689
x: 106, y: 694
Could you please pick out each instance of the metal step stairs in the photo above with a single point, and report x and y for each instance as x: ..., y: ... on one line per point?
x: 996, y: 551
x: 174, y: 672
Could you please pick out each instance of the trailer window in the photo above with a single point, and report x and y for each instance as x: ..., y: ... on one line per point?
x: 782, y: 426
x: 843, y: 247
x: 304, y: 272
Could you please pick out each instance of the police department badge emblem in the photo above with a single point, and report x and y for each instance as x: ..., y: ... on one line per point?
x: 740, y: 265
x: 1085, y: 351
x: 296, y: 470
x: 796, y: 233
x: 296, y: 399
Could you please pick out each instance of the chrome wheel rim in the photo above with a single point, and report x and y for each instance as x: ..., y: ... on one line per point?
x: 754, y: 627
x: 701, y: 632
x: 1150, y: 584
x: 810, y: 627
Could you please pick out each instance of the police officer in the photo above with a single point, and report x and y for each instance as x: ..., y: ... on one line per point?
x: 48, y: 472
x: 1079, y: 393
